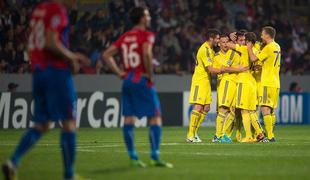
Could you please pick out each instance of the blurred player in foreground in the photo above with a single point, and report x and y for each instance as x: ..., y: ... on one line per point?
x: 53, y: 90
x: 200, y: 94
x: 139, y: 97
x: 270, y: 56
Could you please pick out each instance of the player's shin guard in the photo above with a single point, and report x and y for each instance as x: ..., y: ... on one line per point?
x: 155, y: 138
x: 246, y: 120
x: 220, y: 118
x: 128, y: 133
x: 194, y: 119
x: 255, y: 123
x: 68, y: 145
x: 28, y: 140
x: 274, y: 120
x: 201, y: 119
x: 268, y: 125
x: 228, y: 124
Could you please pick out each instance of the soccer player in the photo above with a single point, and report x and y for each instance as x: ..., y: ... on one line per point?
x: 53, y: 90
x: 270, y: 57
x: 139, y: 97
x: 229, y: 62
x: 246, y: 92
x: 200, y: 94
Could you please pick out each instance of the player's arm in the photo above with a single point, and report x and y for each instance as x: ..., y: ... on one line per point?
x: 235, y: 69
x: 109, y: 59
x: 54, y: 45
x: 147, y: 58
x: 231, y: 45
x: 214, y: 70
x: 252, y: 56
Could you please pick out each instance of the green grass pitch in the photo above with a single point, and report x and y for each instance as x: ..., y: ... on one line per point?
x: 101, y: 155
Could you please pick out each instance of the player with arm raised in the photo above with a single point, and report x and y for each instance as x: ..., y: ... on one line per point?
x: 200, y: 94
x: 52, y: 84
x: 246, y: 92
x: 270, y: 56
x: 139, y: 97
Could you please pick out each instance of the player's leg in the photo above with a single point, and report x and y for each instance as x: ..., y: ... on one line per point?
x: 32, y: 135
x: 259, y: 135
x: 246, y: 120
x: 269, y: 101
x: 200, y: 95
x: 68, y: 146
x: 155, y: 132
x: 195, y: 117
x: 28, y: 140
x: 266, y: 111
x: 238, y: 125
x: 203, y: 113
x: 219, y: 122
x: 228, y: 124
x: 128, y: 135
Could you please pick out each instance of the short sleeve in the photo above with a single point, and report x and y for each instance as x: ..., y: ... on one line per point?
x: 150, y: 38
x: 57, y: 19
x: 204, y: 55
x: 263, y: 54
x: 118, y: 42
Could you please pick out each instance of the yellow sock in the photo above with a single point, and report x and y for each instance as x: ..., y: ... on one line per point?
x: 274, y: 120
x: 246, y: 120
x: 255, y: 123
x: 268, y: 125
x: 194, y: 119
x: 220, y: 118
x: 201, y: 119
x: 228, y: 124
x: 238, y: 127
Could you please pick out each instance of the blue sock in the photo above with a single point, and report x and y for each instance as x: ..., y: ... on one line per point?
x: 128, y: 132
x: 27, y: 141
x: 155, y: 137
x: 68, y: 144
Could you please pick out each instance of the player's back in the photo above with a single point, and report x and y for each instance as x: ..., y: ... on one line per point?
x: 204, y: 58
x: 130, y: 45
x: 271, y: 65
x: 47, y: 16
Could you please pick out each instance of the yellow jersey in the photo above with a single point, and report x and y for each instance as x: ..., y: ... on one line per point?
x: 270, y: 57
x: 204, y: 59
x: 229, y: 59
x: 245, y: 76
x: 256, y: 73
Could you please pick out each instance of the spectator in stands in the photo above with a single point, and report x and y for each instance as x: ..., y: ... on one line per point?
x: 295, y: 88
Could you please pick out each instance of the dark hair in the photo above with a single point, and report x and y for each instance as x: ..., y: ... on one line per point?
x: 250, y: 36
x: 224, y: 35
x: 241, y: 32
x: 136, y: 14
x: 212, y: 33
x: 270, y: 31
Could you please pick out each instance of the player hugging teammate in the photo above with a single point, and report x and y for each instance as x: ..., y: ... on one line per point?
x: 247, y: 77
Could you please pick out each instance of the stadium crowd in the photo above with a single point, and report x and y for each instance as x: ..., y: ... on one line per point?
x: 179, y: 25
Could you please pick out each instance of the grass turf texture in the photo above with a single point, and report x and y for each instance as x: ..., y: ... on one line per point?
x: 101, y: 155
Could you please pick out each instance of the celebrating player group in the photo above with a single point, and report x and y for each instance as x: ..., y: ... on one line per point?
x: 247, y: 78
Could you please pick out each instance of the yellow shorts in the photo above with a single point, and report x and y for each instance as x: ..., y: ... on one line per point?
x: 246, y: 96
x: 226, y: 93
x: 268, y: 96
x: 200, y: 92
